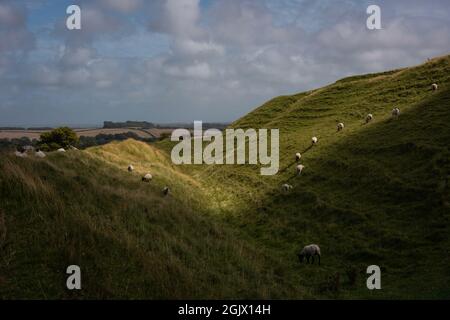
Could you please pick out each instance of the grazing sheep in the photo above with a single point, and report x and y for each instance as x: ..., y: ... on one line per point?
x: 396, y: 112
x: 314, y: 140
x: 130, y: 168
x: 369, y: 118
x: 40, y: 154
x: 21, y: 154
x: 299, y: 169
x: 434, y: 87
x: 340, y: 126
x: 286, y: 187
x: 309, y: 252
x: 298, y: 156
x: 147, y: 178
x: 166, y: 191
x: 61, y: 150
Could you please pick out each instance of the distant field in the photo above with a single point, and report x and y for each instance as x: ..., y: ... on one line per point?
x: 35, y: 134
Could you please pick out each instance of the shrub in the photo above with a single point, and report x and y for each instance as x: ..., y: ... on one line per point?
x: 58, y: 138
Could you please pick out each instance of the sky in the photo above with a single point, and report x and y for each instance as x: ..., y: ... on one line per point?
x: 170, y: 61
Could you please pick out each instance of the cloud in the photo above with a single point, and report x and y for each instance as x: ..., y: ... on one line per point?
x: 14, y: 34
x: 181, y: 60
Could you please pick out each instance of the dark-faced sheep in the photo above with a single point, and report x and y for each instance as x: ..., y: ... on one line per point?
x: 308, y: 252
x: 314, y: 140
x: 395, y: 113
x: 369, y: 118
x: 298, y: 156
x: 286, y: 187
x: 130, y: 168
x: 340, y: 126
x: 166, y: 191
x: 147, y: 178
x: 434, y: 87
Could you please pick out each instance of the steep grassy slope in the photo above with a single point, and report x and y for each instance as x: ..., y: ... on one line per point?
x: 371, y: 194
x: 130, y: 241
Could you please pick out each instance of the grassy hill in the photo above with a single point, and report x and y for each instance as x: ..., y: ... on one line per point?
x: 370, y: 194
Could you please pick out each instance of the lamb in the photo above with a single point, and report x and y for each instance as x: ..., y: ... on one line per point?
x: 369, y: 118
x: 396, y: 112
x: 62, y: 150
x: 309, y: 252
x: 147, y: 178
x: 340, y: 126
x: 298, y: 156
x: 40, y: 154
x: 286, y: 187
x: 130, y: 168
x: 299, y: 169
x: 166, y: 191
x: 314, y: 140
x: 434, y: 87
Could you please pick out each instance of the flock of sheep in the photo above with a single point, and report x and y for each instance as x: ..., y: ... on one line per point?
x: 310, y: 251
x: 22, y: 152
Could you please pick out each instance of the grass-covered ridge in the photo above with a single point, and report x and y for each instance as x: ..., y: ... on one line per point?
x: 371, y: 194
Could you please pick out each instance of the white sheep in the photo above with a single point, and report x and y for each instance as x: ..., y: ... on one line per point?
x: 130, y: 168
x: 340, y: 126
x: 434, y: 87
x: 286, y: 187
x: 395, y: 112
x: 147, y: 178
x: 309, y: 252
x: 73, y: 148
x: 299, y: 169
x: 166, y: 191
x: 62, y: 150
x: 314, y: 140
x: 21, y: 154
x: 369, y: 118
x: 298, y: 156
x: 40, y: 154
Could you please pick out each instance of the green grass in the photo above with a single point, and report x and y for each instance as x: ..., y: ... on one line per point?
x: 371, y: 194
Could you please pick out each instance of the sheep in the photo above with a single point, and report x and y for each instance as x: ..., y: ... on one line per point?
x: 298, y: 156
x: 299, y: 169
x: 21, y: 154
x: 166, y: 191
x: 369, y: 118
x: 40, y: 154
x: 73, y: 148
x: 62, y: 150
x: 286, y: 187
x: 309, y: 252
x: 434, y: 87
x: 130, y: 168
x: 396, y: 112
x: 147, y: 178
x: 314, y: 140
x: 340, y: 126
